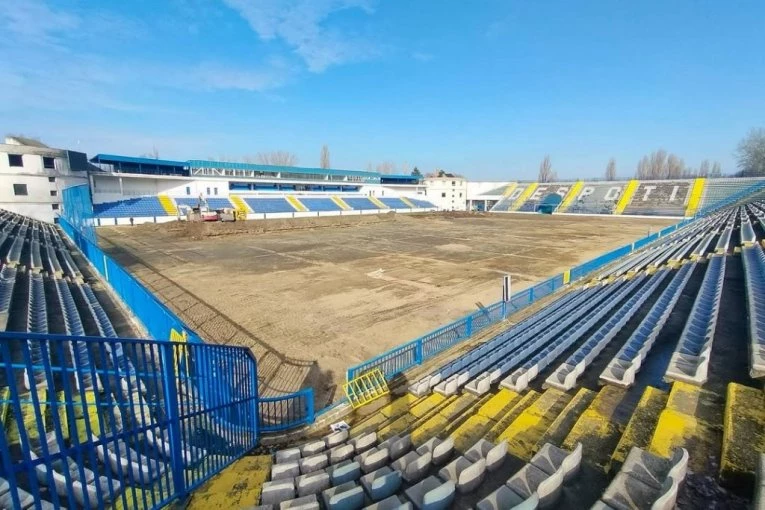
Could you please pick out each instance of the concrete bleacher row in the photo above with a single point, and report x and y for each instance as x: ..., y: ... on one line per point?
x: 42, y: 290
x: 515, y: 399
x: 164, y: 206
x: 682, y: 197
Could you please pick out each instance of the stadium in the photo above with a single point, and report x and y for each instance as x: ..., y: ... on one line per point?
x: 227, y: 334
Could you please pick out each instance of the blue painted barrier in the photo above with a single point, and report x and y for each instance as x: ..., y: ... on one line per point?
x: 159, y: 321
x: 277, y: 414
x: 123, y: 423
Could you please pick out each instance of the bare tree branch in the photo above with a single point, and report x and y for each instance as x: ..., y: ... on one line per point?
x: 716, y: 170
x: 751, y: 154
x: 611, y: 170
x: 324, y: 157
x: 704, y: 168
x: 277, y: 158
x: 546, y: 173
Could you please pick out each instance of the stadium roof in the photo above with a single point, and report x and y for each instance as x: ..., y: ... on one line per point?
x: 111, y: 158
x: 196, y: 163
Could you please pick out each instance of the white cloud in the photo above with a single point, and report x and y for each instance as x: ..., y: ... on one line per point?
x: 422, y: 56
x: 32, y: 21
x: 274, y: 73
x: 301, y: 25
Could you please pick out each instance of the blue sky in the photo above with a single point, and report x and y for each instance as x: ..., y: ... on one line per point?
x: 481, y: 88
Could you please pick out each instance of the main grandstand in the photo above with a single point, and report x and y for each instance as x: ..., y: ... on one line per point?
x: 633, y: 380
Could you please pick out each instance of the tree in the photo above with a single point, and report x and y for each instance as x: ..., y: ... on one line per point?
x: 153, y: 154
x: 675, y: 167
x: 546, y: 173
x: 324, y: 157
x: 386, y: 167
x: 751, y: 154
x: 657, y: 164
x: 611, y: 170
x: 643, y: 169
x: 277, y: 158
x: 704, y: 168
x: 716, y: 172
x: 416, y: 172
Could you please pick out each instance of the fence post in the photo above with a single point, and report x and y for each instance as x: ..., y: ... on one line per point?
x: 504, y: 310
x: 418, y: 351
x: 309, y: 407
x: 256, y: 402
x: 531, y: 295
x: 469, y: 326
x: 174, y: 425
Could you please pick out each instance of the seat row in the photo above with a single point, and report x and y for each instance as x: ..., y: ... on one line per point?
x: 625, y: 364
x: 519, y: 379
x: 754, y: 269
x: 567, y: 373
x: 379, y: 475
x: 690, y: 361
x: 646, y: 481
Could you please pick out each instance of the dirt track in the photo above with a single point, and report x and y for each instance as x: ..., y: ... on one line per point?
x: 314, y: 296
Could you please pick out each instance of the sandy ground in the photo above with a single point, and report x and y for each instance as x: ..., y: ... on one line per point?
x: 312, y: 297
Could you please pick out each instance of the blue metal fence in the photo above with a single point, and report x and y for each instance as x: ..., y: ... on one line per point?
x: 282, y: 413
x: 78, y: 209
x: 277, y: 414
x: 122, y: 422
x: 157, y: 319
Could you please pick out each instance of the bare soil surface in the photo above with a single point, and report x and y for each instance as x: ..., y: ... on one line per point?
x: 314, y: 296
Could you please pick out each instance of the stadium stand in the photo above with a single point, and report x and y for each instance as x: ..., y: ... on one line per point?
x: 107, y: 446
x: 132, y: 207
x: 320, y: 204
x: 540, y: 192
x: 509, y: 440
x: 213, y: 203
x: 395, y: 203
x: 269, y: 205
x: 596, y: 198
x: 660, y: 198
x: 360, y: 203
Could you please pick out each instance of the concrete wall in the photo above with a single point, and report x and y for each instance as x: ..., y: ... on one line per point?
x: 447, y: 193
x: 44, y: 186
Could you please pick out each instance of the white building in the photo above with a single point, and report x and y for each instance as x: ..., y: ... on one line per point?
x: 447, y: 193
x: 33, y: 177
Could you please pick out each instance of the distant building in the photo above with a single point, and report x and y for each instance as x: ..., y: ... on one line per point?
x: 447, y: 193
x: 33, y: 176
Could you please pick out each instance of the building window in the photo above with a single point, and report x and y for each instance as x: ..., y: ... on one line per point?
x: 452, y: 183
x: 49, y: 163
x: 215, y: 191
x: 51, y: 179
x: 53, y: 193
x: 15, y: 160
x: 460, y: 195
x: 208, y: 191
x: 54, y: 207
x: 443, y: 195
x: 188, y: 190
x: 20, y: 190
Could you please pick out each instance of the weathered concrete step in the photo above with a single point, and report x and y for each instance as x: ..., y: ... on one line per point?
x: 641, y: 425
x: 743, y: 435
x: 597, y: 429
x: 564, y: 422
x: 693, y: 420
x: 517, y: 408
x: 524, y: 432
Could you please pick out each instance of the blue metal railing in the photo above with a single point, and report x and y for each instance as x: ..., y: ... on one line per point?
x: 280, y: 413
x: 277, y: 414
x: 133, y: 423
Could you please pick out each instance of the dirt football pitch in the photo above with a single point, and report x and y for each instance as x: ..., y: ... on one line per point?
x: 314, y: 296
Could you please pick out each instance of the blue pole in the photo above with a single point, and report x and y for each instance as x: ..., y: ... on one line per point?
x: 171, y: 402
